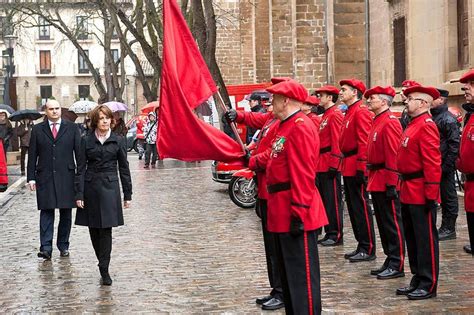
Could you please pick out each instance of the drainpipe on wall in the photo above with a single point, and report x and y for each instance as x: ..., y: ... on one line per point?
x: 367, y: 44
x: 326, y: 44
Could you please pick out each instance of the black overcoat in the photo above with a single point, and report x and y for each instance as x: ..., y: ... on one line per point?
x: 51, y: 164
x: 97, y: 181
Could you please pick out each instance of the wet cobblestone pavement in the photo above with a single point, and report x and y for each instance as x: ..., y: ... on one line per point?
x: 187, y: 249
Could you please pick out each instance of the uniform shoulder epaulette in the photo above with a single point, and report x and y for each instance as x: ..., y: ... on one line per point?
x: 429, y: 120
x: 299, y: 120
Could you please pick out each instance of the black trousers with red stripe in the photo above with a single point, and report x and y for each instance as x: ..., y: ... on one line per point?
x: 331, y: 193
x: 389, y: 220
x: 360, y: 215
x: 300, y: 276
x: 422, y: 242
x: 470, y: 228
x: 270, y: 252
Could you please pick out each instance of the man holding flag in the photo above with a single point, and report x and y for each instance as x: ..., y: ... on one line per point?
x: 295, y: 209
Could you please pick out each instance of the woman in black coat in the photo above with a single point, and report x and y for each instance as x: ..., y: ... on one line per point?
x: 97, y: 187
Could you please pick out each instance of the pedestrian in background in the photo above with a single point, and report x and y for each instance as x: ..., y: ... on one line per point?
x: 119, y: 128
x: 256, y: 106
x: 382, y: 148
x: 150, y: 131
x: 6, y: 130
x: 24, y: 133
x: 97, y: 187
x: 419, y: 165
x: 141, y: 121
x: 466, y: 153
x: 54, y: 146
x: 449, y: 135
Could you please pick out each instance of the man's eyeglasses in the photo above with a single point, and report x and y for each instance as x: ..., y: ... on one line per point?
x: 409, y: 99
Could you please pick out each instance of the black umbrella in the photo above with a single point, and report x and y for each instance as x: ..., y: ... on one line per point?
x: 8, y: 108
x: 31, y: 114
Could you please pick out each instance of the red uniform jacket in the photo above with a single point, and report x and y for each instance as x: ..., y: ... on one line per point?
x: 419, y: 152
x: 292, y: 167
x: 329, y: 134
x: 465, y: 162
x: 258, y: 161
x: 316, y: 119
x: 382, y: 148
x: 353, y: 142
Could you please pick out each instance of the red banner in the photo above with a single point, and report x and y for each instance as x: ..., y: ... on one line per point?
x: 185, y: 84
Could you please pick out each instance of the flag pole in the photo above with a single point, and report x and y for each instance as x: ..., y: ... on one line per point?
x: 232, y: 124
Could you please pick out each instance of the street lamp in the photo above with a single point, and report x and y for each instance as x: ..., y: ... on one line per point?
x: 10, y: 42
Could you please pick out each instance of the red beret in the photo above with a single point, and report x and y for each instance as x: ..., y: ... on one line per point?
x: 312, y: 100
x: 356, y: 84
x: 388, y: 90
x: 276, y: 80
x: 290, y: 89
x: 468, y: 76
x: 431, y: 91
x: 410, y: 83
x: 330, y: 89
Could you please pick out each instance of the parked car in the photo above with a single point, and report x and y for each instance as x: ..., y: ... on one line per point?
x: 132, y: 135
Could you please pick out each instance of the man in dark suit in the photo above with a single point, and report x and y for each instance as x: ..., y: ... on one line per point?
x: 51, y: 169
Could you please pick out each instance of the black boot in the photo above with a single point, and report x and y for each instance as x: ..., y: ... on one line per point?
x: 447, y: 231
x: 104, y: 273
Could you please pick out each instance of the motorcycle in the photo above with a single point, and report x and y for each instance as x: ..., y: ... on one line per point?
x: 243, y: 188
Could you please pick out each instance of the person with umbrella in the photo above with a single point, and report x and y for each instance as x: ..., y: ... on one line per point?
x: 24, y: 133
x: 6, y: 130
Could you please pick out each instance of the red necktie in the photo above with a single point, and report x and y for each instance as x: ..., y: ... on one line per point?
x: 54, y: 130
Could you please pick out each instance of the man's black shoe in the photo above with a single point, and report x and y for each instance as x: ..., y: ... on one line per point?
x: 390, y: 273
x: 361, y: 256
x: 467, y: 249
x: 375, y: 272
x: 64, y: 253
x: 44, y: 254
x: 323, y: 239
x: 446, y: 234
x: 331, y: 242
x: 349, y: 255
x: 405, y: 290
x: 264, y: 299
x: 420, y: 294
x: 273, y: 304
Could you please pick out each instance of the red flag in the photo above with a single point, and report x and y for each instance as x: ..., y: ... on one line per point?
x: 185, y: 84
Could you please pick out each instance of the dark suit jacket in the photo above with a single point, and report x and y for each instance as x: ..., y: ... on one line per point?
x: 51, y: 164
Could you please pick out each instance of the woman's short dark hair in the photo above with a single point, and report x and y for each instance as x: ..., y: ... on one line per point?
x: 95, y: 116
x: 334, y: 97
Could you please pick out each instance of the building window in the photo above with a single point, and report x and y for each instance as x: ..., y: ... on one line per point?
x: 115, y: 55
x: 6, y: 26
x: 84, y: 92
x: 114, y: 33
x: 83, y: 68
x: 81, y: 27
x: 44, y: 29
x: 399, y: 48
x: 463, y: 33
x: 45, y: 61
x: 46, y: 92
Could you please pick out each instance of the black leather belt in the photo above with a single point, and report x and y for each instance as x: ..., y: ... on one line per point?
x: 375, y: 167
x: 470, y: 177
x: 410, y: 176
x: 349, y: 153
x: 278, y: 187
x: 325, y: 150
